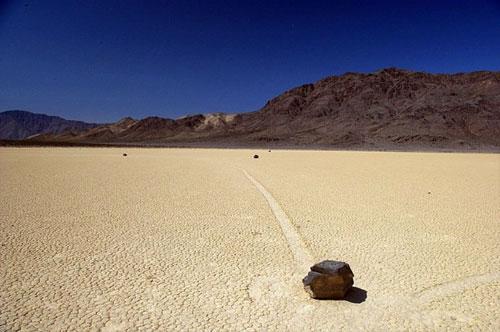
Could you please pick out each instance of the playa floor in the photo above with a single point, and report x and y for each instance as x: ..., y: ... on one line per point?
x: 205, y: 239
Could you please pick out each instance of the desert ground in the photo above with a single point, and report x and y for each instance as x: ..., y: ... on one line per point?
x: 212, y: 239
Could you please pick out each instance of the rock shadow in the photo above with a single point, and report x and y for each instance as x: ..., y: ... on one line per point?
x: 356, y: 295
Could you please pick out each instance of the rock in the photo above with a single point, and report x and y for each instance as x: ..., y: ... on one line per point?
x: 329, y: 280
x: 124, y: 154
x: 256, y: 156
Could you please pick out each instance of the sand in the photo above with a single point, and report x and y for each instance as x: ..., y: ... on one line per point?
x: 198, y: 239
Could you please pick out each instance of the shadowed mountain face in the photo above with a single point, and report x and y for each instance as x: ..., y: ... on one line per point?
x: 389, y: 109
x: 20, y: 124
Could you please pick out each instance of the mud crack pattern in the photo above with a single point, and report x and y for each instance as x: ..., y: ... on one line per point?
x: 181, y: 239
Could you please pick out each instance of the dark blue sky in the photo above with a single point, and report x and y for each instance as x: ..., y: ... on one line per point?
x: 103, y: 60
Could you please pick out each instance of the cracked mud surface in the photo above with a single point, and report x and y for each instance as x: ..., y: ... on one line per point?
x: 176, y: 239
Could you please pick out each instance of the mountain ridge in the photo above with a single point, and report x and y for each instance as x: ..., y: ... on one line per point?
x: 388, y: 109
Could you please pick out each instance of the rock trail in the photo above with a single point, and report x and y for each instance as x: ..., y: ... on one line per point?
x: 269, y: 289
x: 301, y: 254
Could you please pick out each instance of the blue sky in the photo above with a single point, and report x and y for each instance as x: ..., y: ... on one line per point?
x: 102, y: 60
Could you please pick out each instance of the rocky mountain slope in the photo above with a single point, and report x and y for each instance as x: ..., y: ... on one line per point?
x: 21, y: 124
x: 388, y: 109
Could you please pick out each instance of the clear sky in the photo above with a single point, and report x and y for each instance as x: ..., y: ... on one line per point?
x: 102, y: 60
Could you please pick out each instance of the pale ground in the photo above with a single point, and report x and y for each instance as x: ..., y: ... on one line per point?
x: 175, y: 239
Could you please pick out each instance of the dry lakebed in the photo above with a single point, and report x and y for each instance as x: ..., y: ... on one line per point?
x: 213, y: 239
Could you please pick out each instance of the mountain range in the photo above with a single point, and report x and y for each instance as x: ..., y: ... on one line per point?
x: 388, y: 109
x: 15, y: 125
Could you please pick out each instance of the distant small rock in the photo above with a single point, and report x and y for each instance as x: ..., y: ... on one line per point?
x: 124, y: 154
x: 256, y: 156
x: 329, y: 280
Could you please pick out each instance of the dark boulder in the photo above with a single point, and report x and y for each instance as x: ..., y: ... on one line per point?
x: 329, y: 280
x: 256, y: 156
